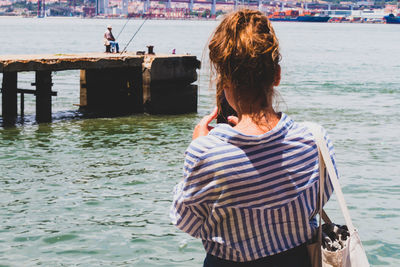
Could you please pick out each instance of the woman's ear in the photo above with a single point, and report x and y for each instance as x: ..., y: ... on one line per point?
x: 277, y: 79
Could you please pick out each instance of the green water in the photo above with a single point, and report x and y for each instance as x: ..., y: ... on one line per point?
x: 96, y: 192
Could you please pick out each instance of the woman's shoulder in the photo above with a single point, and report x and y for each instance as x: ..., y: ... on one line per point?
x: 204, y: 145
x: 309, y: 128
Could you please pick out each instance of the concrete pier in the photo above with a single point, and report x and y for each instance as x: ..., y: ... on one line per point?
x: 167, y: 85
x: 110, y: 84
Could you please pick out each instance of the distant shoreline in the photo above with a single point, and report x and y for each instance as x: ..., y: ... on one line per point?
x: 178, y: 19
x: 113, y: 18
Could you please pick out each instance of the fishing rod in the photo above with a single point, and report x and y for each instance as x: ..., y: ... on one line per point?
x: 123, y: 28
x: 134, y: 35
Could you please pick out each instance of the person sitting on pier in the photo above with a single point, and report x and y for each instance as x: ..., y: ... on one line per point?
x: 109, y: 41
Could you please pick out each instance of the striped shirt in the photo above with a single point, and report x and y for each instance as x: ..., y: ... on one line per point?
x: 250, y: 196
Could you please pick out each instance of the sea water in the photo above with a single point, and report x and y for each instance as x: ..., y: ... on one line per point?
x: 97, y: 192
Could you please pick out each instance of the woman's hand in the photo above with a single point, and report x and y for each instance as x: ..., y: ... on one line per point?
x: 203, y: 128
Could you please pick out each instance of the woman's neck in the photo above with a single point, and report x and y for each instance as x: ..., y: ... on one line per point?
x: 248, y: 126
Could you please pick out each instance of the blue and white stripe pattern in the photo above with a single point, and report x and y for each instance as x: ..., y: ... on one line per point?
x: 249, y: 197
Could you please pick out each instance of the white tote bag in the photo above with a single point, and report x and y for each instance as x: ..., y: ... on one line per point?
x: 351, y: 253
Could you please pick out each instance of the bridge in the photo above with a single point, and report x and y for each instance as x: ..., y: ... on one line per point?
x: 212, y: 3
x: 102, y: 6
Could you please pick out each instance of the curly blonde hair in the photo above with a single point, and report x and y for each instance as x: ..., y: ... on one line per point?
x: 244, y: 54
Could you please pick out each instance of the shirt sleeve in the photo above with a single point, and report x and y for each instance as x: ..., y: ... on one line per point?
x: 188, y: 217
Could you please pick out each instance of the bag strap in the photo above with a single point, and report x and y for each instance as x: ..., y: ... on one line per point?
x: 322, y: 174
x: 322, y: 147
x: 319, y: 210
x: 320, y: 195
x: 325, y: 217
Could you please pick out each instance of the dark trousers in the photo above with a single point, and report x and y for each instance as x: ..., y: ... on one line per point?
x: 295, y: 257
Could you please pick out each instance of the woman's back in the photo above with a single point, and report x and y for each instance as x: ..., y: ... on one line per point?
x: 249, y: 196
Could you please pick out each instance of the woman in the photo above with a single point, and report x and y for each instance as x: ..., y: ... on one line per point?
x: 249, y: 191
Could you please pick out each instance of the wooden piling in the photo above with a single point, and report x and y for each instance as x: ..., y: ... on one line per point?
x: 9, y: 98
x: 83, y: 90
x: 43, y: 95
x: 22, y: 105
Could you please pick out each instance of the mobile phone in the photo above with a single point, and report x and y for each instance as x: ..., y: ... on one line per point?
x: 225, y: 112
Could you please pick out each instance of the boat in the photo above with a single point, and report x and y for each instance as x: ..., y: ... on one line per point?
x: 293, y: 15
x: 308, y: 18
x: 392, y: 19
